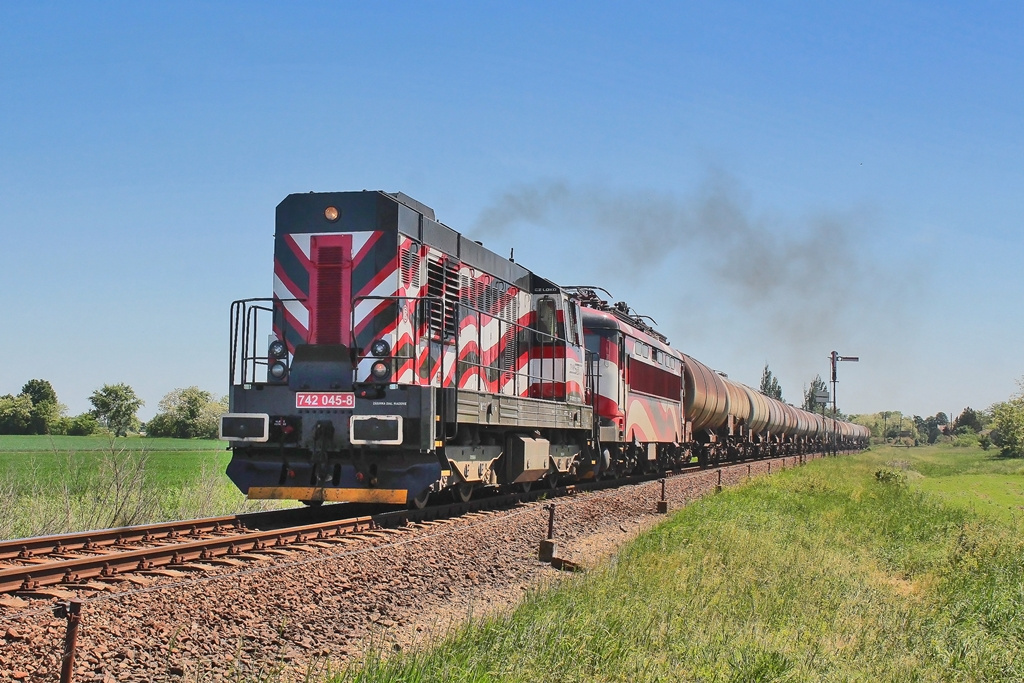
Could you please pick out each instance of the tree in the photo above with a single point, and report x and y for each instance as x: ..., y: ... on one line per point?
x: 47, y: 411
x: 115, y: 407
x: 968, y: 418
x: 15, y: 414
x: 1008, y: 424
x: 769, y: 385
x: 818, y: 386
x: 187, y: 414
x: 39, y: 390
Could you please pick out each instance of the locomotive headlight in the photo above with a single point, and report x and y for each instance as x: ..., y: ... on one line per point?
x: 380, y: 370
x: 277, y: 349
x: 380, y: 348
x: 278, y: 370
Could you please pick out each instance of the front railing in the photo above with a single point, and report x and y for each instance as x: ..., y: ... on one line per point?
x: 249, y: 350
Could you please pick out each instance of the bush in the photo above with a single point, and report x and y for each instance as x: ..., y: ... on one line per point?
x: 82, y: 425
x: 1009, y: 422
x: 162, y: 425
x: 189, y: 413
x: 893, y: 477
x: 966, y: 440
x: 15, y: 414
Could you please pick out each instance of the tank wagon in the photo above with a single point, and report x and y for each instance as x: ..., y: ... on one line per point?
x: 398, y: 359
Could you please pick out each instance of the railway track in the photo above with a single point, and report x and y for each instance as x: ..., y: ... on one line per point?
x: 79, y: 560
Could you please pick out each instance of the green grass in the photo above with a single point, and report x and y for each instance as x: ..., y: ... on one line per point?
x: 821, y: 573
x: 971, y: 478
x: 34, y: 444
x: 60, y: 484
x: 32, y: 461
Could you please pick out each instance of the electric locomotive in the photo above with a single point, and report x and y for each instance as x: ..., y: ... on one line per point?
x: 657, y: 408
x: 398, y: 358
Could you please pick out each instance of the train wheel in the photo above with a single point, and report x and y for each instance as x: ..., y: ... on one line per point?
x: 419, y: 502
x: 462, y: 492
x: 525, y: 486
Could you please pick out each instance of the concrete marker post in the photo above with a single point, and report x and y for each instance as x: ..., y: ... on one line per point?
x: 546, y: 553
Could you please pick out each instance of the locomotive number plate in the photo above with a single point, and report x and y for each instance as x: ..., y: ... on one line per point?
x: 325, y: 399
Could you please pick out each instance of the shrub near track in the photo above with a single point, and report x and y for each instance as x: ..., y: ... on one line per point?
x: 841, y: 570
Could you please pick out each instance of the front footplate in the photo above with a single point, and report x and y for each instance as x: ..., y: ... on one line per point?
x: 329, y: 494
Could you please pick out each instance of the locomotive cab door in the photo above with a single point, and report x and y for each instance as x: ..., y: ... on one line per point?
x: 556, y: 368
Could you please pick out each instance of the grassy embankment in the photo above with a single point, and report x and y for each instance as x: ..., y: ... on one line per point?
x: 66, y: 483
x: 893, y: 565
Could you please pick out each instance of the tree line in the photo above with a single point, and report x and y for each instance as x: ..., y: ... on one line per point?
x: 183, y: 413
x: 1001, y: 425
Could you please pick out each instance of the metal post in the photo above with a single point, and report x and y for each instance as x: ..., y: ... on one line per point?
x: 718, y: 486
x: 663, y: 503
x: 546, y: 553
x: 835, y: 425
x: 835, y: 431
x: 72, y: 611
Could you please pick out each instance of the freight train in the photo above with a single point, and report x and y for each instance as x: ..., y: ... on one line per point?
x: 398, y: 359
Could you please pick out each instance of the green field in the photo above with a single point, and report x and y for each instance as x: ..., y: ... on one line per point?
x: 981, y: 481
x: 892, y: 565
x: 51, y: 444
x: 67, y: 483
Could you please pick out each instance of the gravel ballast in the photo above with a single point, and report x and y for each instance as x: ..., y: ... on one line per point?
x: 319, y: 605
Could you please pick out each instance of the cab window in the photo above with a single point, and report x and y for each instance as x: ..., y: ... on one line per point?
x: 547, y: 320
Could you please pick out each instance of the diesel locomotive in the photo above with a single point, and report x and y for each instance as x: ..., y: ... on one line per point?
x: 398, y: 359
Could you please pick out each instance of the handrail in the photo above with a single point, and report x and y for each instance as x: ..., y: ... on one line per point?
x: 244, y: 316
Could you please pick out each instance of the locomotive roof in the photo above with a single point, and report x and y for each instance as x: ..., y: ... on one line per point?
x: 376, y: 210
x: 606, y: 320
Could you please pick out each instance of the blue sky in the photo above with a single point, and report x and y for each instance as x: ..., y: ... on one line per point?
x: 769, y: 181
